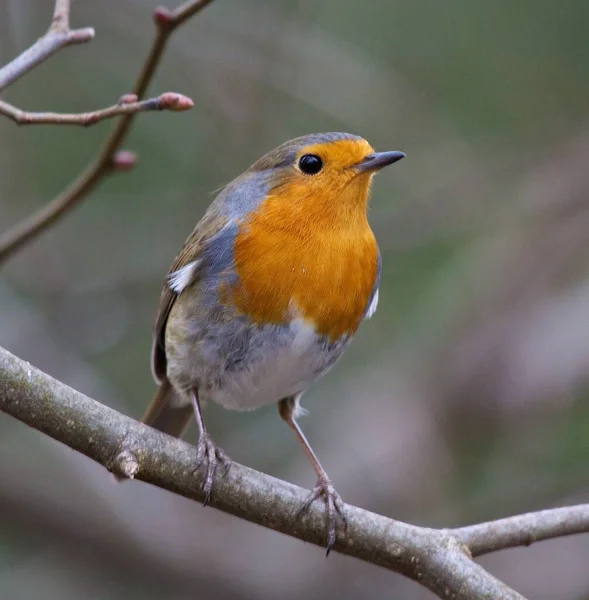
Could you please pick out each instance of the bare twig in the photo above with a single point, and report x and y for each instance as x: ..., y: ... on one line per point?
x: 524, y: 530
x: 434, y: 558
x: 166, y: 22
x: 58, y: 36
x: 127, y: 104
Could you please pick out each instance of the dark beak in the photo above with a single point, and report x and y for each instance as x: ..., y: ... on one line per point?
x: 378, y: 160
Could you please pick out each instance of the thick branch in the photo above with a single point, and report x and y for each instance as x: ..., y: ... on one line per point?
x: 128, y: 104
x: 166, y: 22
x: 524, y: 530
x: 58, y: 36
x: 434, y: 558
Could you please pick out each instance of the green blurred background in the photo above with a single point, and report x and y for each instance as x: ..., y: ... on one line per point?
x: 463, y: 399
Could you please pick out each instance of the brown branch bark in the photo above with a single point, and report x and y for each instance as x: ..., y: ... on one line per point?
x: 128, y: 104
x: 166, y: 22
x: 524, y: 530
x: 58, y: 36
x: 438, y: 559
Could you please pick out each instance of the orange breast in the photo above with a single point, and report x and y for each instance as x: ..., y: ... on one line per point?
x: 297, y: 257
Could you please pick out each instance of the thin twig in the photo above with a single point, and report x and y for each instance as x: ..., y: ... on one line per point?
x: 524, y: 530
x: 433, y: 558
x: 127, y: 105
x: 59, y: 35
x: 166, y: 22
x: 61, y: 16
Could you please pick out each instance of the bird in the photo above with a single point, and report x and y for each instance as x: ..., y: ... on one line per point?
x: 267, y: 293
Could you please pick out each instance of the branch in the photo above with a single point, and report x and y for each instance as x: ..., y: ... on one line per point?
x: 434, y: 558
x: 166, y: 22
x: 58, y: 36
x: 128, y: 104
x: 524, y: 530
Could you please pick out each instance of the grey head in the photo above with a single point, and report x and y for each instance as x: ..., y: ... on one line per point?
x: 285, y: 154
x: 246, y: 192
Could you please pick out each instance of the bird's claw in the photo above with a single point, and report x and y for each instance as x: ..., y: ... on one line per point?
x: 334, y: 506
x: 210, y: 457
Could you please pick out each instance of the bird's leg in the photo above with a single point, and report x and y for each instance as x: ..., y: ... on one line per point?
x: 208, y: 454
x: 333, y: 501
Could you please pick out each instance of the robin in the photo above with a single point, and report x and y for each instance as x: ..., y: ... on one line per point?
x: 267, y: 293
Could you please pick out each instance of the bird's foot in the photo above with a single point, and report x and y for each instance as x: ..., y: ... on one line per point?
x: 334, y: 507
x: 210, y: 457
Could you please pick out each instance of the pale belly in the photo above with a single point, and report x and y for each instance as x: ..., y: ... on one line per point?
x: 243, y: 367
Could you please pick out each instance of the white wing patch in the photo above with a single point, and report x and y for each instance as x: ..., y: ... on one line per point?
x: 372, y: 308
x: 304, y: 338
x: 178, y: 280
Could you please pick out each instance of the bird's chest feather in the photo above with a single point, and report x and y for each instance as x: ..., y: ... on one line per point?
x: 242, y: 365
x: 281, y: 361
x: 290, y: 267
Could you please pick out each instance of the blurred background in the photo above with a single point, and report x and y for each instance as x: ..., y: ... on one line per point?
x: 464, y: 399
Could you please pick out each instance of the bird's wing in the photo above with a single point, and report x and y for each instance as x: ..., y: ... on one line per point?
x: 184, y: 271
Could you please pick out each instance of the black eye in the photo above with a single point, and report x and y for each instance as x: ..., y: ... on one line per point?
x: 310, y: 164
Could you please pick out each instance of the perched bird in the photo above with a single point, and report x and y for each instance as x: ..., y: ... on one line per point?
x: 268, y: 291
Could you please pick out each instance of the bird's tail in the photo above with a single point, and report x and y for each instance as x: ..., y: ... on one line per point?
x: 166, y: 413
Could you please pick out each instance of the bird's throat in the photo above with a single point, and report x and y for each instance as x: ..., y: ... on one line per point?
x: 297, y: 263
